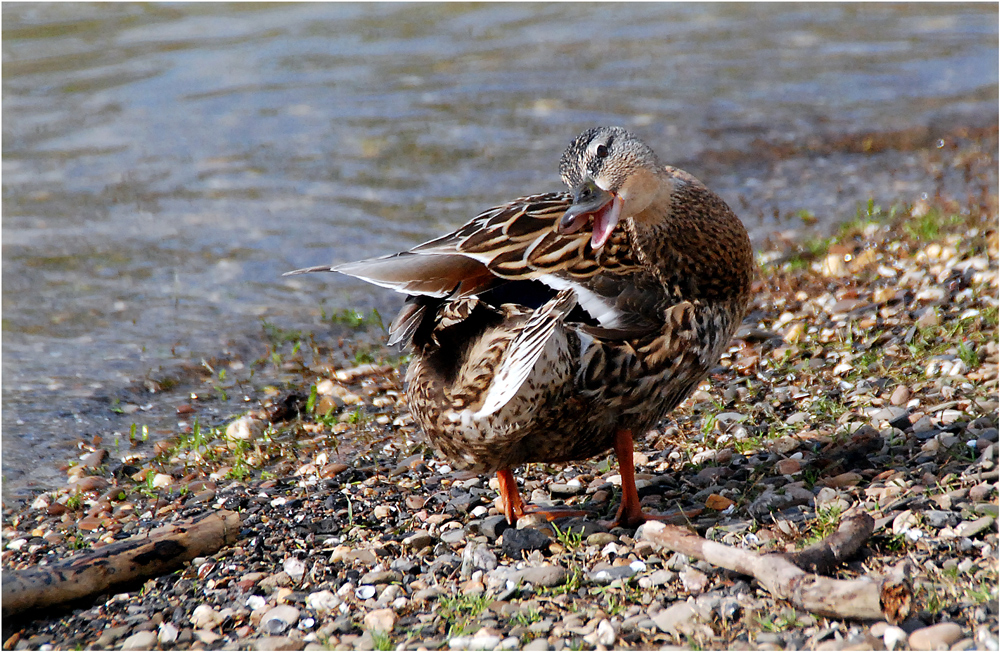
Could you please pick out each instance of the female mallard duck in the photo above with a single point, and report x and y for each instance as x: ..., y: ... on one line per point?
x: 552, y: 328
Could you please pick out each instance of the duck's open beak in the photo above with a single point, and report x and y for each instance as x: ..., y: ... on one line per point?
x: 590, y: 199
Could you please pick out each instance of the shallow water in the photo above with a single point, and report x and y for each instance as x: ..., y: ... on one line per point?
x: 163, y: 165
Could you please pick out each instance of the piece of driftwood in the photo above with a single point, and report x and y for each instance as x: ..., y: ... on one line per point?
x: 862, y: 599
x: 148, y: 555
x: 824, y: 556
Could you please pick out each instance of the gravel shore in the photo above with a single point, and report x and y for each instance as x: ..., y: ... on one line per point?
x: 865, y: 377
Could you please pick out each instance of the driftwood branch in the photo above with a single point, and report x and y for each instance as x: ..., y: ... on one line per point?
x: 862, y: 599
x: 826, y: 555
x: 149, y: 555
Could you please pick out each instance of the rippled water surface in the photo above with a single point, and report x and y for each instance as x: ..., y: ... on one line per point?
x: 164, y: 164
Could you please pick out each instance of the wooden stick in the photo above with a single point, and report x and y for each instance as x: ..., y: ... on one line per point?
x: 822, y: 557
x: 861, y: 599
x: 148, y: 555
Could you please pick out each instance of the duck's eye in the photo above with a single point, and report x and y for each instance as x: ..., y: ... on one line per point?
x: 601, y: 151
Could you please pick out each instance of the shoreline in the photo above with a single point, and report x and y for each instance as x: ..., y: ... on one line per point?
x: 865, y: 377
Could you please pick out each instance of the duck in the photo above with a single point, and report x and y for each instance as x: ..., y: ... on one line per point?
x: 561, y: 325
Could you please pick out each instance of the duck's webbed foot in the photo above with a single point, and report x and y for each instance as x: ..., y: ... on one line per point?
x: 514, y: 507
x: 630, y: 514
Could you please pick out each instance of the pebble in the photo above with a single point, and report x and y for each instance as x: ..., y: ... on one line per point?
x: 167, y: 634
x: 970, y: 529
x: 609, y: 575
x: 380, y: 620
x: 694, y: 580
x: 205, y: 617
x: 418, y: 540
x: 601, y: 539
x: 935, y: 637
x: 477, y: 642
x: 454, y: 537
x: 279, y: 643
x: 900, y: 395
x: 381, y: 577
x: 140, y: 641
x: 517, y: 542
x: 547, y: 576
x: 295, y: 568
x: 788, y: 467
x: 278, y: 619
x: 676, y: 619
x: 604, y: 634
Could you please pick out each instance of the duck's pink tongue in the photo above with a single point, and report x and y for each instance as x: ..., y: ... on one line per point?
x: 605, y: 221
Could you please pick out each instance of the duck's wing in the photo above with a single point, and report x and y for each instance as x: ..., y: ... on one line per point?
x: 517, y: 241
x: 523, y: 352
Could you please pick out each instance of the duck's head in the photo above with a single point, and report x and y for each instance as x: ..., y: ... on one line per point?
x: 613, y: 176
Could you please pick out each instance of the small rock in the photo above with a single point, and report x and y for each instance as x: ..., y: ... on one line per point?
x: 418, y: 540
x: 278, y: 619
x: 609, y: 575
x: 381, y: 577
x: 428, y: 594
x: 937, y: 518
x: 788, y: 467
x: 972, y: 528
x: 677, y: 619
x: 205, y: 617
x: 900, y: 395
x: 279, y: 643
x: 935, y: 637
x: 720, y: 503
x: 493, y: 526
x: 544, y: 575
x: 322, y: 602
x: 365, y: 592
x: 478, y: 642
x: 893, y: 638
x: 605, y: 634
x: 694, y: 580
x: 518, y: 542
x: 601, y: 539
x: 245, y: 428
x: 380, y: 620
x: 95, y: 459
x: 295, y: 568
x: 167, y: 634
x: 110, y: 635
x: 453, y: 537
x: 366, y: 557
x: 140, y: 641
x: 473, y: 587
x: 537, y: 645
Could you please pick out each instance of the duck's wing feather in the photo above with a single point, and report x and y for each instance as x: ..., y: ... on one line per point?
x: 523, y: 352
x: 514, y: 242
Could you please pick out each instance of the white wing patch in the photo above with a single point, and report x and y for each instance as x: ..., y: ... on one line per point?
x: 523, y: 352
x: 598, y: 307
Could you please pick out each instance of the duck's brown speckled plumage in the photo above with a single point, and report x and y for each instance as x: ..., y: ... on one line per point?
x: 531, y: 344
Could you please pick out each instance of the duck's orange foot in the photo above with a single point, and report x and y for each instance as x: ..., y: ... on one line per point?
x: 514, y: 508
x: 551, y: 513
x: 634, y: 518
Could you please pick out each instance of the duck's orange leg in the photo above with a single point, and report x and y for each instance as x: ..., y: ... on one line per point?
x: 514, y: 507
x: 630, y: 512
